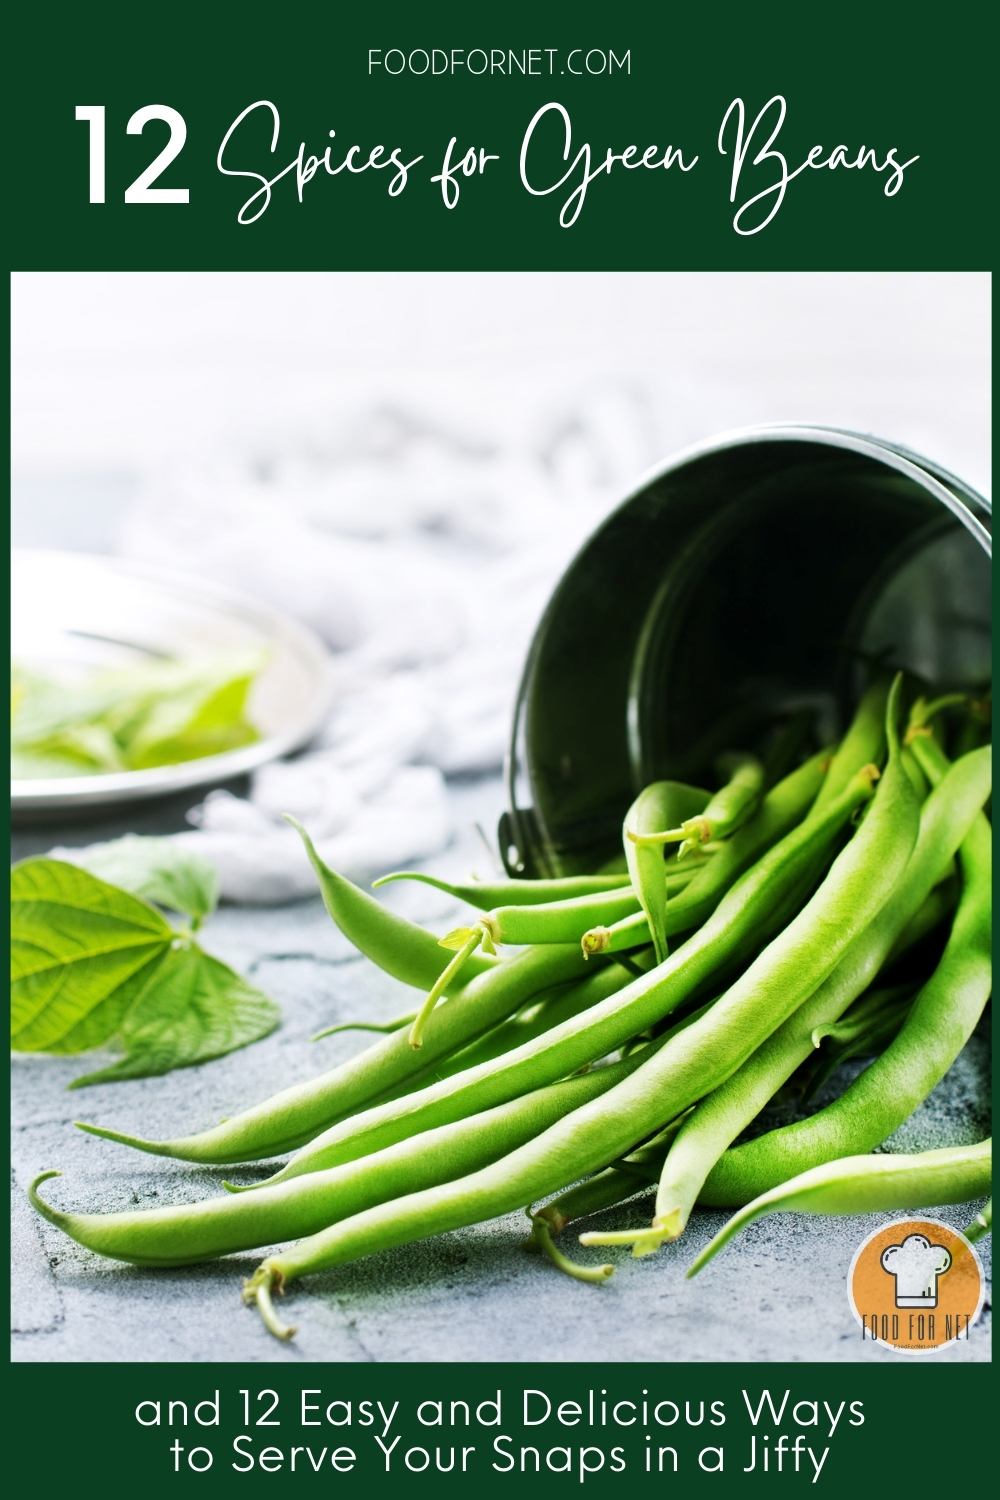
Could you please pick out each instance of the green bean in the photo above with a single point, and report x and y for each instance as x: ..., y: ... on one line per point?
x: 486, y: 894
x: 944, y: 821
x: 552, y: 922
x: 782, y: 808
x: 192, y: 1232
x: 865, y: 1014
x: 288, y: 1119
x: 917, y: 777
x: 863, y: 742
x: 720, y: 817
x: 541, y: 1012
x: 982, y: 1224
x: 696, y: 1058
x: 868, y: 1184
x: 939, y: 1023
x: 615, y: 1184
x: 541, y: 1016
x: 609, y: 1024
x: 399, y: 947
x: 564, y: 921
x: 660, y: 802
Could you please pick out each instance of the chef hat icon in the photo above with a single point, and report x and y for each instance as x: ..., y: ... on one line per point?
x: 916, y: 1264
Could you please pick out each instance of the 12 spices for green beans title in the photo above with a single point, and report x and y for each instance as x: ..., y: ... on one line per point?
x: 644, y: 1022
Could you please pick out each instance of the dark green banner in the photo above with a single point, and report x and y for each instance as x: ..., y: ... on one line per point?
x: 597, y: 137
x: 600, y: 1430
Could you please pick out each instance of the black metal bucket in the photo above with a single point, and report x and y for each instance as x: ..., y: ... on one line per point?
x: 756, y: 575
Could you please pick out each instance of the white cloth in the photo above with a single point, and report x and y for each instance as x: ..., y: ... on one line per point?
x: 422, y: 547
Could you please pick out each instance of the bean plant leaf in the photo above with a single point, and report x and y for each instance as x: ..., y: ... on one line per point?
x: 92, y: 965
x: 191, y: 1009
x: 77, y: 947
x: 157, y: 869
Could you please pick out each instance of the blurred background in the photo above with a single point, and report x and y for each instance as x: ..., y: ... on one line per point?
x: 407, y: 462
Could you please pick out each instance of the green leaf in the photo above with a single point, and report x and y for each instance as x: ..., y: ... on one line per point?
x: 191, y: 1009
x: 156, y: 713
x: 158, y: 870
x: 203, y: 713
x: 78, y: 751
x: 77, y: 947
x: 92, y: 964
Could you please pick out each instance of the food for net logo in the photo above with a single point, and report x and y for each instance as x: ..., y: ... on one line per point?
x: 916, y: 1286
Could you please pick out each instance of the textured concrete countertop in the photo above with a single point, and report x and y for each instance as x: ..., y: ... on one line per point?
x: 469, y: 1295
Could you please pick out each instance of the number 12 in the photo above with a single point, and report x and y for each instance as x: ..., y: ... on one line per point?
x: 141, y: 190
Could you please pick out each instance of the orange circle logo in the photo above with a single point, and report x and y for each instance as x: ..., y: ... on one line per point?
x: 916, y: 1286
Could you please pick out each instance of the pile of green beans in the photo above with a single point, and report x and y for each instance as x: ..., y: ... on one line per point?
x: 642, y: 1022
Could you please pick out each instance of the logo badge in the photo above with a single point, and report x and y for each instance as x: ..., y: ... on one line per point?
x: 916, y: 1286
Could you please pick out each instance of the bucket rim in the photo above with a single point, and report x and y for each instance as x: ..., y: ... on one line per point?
x: 960, y: 498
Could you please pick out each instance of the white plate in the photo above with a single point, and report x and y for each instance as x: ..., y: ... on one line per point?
x: 76, y: 610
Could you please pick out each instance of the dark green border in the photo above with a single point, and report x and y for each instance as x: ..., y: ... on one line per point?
x: 866, y: 73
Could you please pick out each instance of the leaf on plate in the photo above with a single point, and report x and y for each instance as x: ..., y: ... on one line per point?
x: 155, y: 713
x: 159, y: 870
x: 77, y: 750
x: 204, y: 714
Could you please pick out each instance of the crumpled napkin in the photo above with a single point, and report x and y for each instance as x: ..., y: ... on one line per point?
x: 422, y: 546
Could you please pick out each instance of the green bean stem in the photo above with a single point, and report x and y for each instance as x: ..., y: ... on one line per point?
x: 868, y: 1184
x: 383, y: 1028
x: 486, y: 894
x: 542, y: 1239
x: 399, y: 947
x: 863, y: 741
x: 783, y: 807
x: 661, y: 801
x: 464, y: 943
x: 720, y: 817
x: 616, y: 1184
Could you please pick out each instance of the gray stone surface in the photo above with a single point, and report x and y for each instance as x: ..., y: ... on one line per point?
x: 469, y: 1295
